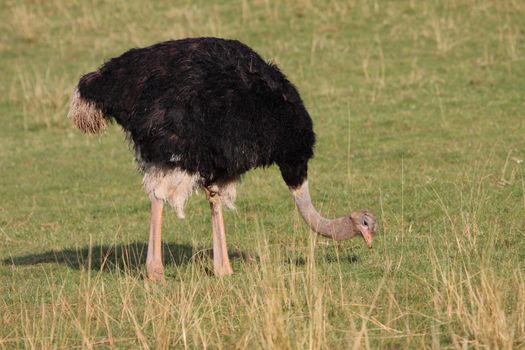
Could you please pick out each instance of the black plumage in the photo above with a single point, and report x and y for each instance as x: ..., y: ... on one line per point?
x: 205, y: 105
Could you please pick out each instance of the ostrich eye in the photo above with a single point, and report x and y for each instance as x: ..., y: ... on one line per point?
x: 365, y: 220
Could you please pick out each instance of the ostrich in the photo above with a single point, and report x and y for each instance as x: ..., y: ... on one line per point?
x: 200, y: 112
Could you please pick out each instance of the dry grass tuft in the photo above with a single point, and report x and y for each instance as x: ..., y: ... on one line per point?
x: 479, y: 309
x: 42, y: 97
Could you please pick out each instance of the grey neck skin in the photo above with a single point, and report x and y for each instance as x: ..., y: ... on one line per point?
x: 337, y: 229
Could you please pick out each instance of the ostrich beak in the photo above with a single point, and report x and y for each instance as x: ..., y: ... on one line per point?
x: 365, y: 232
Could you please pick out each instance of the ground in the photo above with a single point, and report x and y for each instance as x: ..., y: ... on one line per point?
x: 419, y: 113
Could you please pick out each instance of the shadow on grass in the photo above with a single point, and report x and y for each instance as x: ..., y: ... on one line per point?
x: 127, y: 257
x: 131, y: 257
x: 331, y: 259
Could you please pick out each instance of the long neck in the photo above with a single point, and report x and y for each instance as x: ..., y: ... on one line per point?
x: 337, y: 229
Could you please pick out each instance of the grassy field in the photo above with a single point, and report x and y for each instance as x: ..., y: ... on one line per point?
x: 419, y: 112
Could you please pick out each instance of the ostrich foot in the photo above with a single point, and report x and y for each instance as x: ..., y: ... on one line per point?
x: 222, y: 270
x: 155, y: 272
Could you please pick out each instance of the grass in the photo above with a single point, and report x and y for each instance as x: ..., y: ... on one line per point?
x: 418, y: 109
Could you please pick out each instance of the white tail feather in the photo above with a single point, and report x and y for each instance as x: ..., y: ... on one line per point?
x: 85, y: 115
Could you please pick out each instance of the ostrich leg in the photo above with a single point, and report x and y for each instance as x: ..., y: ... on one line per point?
x: 154, y: 266
x: 221, y: 263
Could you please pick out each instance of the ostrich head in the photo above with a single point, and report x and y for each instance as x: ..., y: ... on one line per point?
x: 360, y: 223
x: 365, y: 225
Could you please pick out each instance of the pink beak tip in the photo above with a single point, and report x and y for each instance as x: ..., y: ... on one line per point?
x: 367, y: 238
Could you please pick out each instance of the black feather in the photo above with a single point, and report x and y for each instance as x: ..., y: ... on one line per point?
x: 206, y: 105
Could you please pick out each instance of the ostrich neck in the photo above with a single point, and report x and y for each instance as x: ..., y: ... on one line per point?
x: 337, y: 229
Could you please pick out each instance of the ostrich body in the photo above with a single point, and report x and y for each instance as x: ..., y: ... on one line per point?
x: 200, y: 113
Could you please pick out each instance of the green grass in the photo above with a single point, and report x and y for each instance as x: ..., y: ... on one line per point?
x: 418, y: 108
